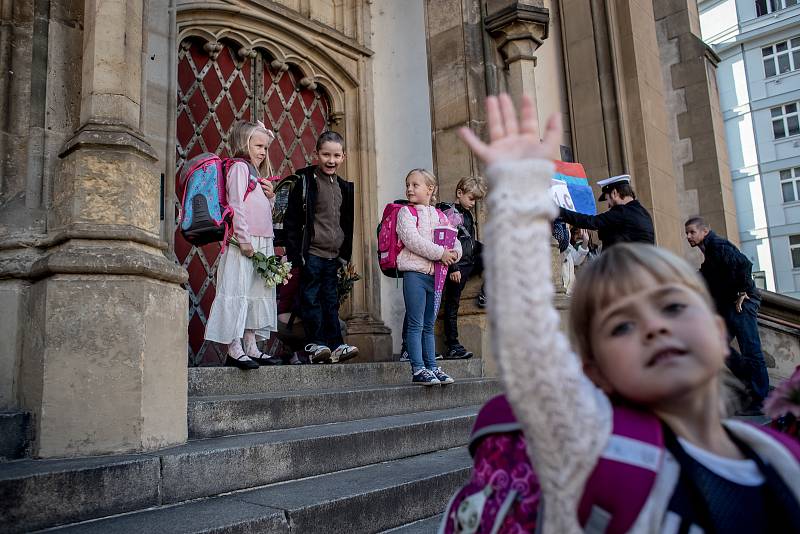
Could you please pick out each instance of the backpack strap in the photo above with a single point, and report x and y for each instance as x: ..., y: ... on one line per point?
x: 495, y: 417
x: 625, y: 474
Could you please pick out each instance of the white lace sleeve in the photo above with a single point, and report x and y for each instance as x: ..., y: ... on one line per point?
x: 566, y: 419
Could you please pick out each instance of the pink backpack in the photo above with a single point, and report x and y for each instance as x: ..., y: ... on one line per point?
x: 205, y: 215
x: 503, y: 494
x: 389, y: 244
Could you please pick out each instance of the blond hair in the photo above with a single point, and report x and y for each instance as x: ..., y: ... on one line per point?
x: 240, y: 136
x: 472, y: 185
x: 430, y: 179
x: 619, y: 271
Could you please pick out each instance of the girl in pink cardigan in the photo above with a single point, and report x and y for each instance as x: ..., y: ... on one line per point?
x: 244, y: 307
x: 416, y: 261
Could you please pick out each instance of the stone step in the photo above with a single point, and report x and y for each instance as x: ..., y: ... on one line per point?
x: 364, y: 500
x: 15, y: 435
x: 43, y: 493
x: 239, y: 414
x: 423, y: 526
x: 205, y: 381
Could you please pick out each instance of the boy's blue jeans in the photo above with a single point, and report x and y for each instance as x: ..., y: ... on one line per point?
x: 749, y: 365
x: 418, y: 296
x: 319, y: 301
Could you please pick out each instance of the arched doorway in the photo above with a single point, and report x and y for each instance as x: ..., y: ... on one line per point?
x: 220, y: 82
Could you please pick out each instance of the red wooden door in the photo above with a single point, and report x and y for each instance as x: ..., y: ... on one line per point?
x: 216, y: 87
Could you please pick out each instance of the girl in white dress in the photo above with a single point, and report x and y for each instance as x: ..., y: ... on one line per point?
x: 244, y: 307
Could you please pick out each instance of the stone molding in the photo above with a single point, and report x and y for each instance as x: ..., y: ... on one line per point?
x: 113, y: 136
x: 518, y: 13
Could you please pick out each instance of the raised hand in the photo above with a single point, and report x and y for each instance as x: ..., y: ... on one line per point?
x: 510, y: 139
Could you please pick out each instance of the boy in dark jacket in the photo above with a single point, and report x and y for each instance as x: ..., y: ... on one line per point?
x: 468, y: 191
x: 728, y: 274
x: 319, y: 239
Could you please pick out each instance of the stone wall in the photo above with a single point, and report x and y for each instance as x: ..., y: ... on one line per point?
x: 696, y: 131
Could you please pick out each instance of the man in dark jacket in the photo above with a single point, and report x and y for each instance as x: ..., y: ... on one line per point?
x: 625, y: 221
x: 728, y: 274
x: 319, y: 238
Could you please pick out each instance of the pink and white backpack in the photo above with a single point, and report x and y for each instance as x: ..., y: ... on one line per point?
x: 389, y: 244
x: 503, y: 495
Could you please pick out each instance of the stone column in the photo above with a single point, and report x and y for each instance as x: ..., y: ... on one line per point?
x: 519, y: 28
x: 103, y: 365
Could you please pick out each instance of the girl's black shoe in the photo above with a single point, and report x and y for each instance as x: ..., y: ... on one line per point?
x: 263, y: 359
x: 247, y: 364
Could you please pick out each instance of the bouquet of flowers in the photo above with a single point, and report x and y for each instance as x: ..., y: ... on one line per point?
x: 346, y: 277
x: 270, y: 268
x: 783, y: 405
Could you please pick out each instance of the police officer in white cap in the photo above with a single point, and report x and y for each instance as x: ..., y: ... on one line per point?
x: 626, y: 219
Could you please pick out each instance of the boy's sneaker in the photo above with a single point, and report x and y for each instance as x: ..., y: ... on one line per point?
x: 318, y: 353
x: 404, y: 357
x: 423, y: 377
x: 481, y: 300
x: 343, y: 353
x: 457, y: 352
x: 442, y: 377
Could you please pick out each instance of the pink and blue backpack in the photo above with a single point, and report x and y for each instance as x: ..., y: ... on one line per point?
x: 503, y: 495
x: 205, y: 216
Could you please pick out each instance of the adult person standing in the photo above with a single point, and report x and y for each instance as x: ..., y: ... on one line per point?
x: 728, y: 274
x: 625, y: 221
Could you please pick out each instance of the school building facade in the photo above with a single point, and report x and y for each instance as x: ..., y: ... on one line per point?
x: 104, y: 99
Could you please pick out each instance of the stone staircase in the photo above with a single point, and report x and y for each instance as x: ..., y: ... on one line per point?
x: 299, y: 449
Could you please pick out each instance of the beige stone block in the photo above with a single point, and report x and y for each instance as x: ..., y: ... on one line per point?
x: 443, y: 15
x: 453, y: 160
x: 107, y: 187
x: 577, y: 17
x: 582, y: 62
x: 590, y: 145
x: 13, y: 302
x: 664, y: 8
x: 106, y: 368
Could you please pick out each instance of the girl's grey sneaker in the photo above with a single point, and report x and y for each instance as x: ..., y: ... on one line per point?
x: 423, y: 377
x: 318, y: 353
x: 442, y: 377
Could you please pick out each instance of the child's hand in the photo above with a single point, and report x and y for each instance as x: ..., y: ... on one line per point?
x: 510, y: 140
x: 266, y: 186
x: 449, y: 257
x: 455, y: 276
x: 247, y: 249
x: 585, y: 237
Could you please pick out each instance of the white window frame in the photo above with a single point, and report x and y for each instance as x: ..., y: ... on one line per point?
x: 791, y: 176
x: 769, y: 54
x: 772, y: 6
x: 792, y: 248
x: 784, y: 118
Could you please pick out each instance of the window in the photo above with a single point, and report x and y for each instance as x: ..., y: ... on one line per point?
x: 785, y: 120
x: 765, y: 7
x: 794, y: 250
x: 781, y: 57
x: 790, y: 184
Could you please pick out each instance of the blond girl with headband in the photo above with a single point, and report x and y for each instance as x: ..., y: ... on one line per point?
x: 415, y: 224
x: 244, y: 307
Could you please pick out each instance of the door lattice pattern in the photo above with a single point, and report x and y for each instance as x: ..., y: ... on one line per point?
x: 219, y: 84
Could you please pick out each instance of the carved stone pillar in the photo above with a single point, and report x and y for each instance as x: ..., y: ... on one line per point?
x: 519, y: 28
x: 103, y: 366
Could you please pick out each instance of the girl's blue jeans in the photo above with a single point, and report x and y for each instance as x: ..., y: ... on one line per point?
x: 418, y: 296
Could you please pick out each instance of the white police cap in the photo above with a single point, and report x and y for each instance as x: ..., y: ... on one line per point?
x: 606, y: 185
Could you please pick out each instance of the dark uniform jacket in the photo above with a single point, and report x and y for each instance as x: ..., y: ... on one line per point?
x: 622, y: 223
x: 299, y: 219
x: 470, y: 246
x: 727, y: 271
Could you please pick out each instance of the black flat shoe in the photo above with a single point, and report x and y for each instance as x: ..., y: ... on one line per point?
x: 241, y: 364
x: 263, y: 359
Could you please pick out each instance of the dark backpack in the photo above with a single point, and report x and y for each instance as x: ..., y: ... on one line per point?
x: 205, y: 215
x: 282, y: 191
